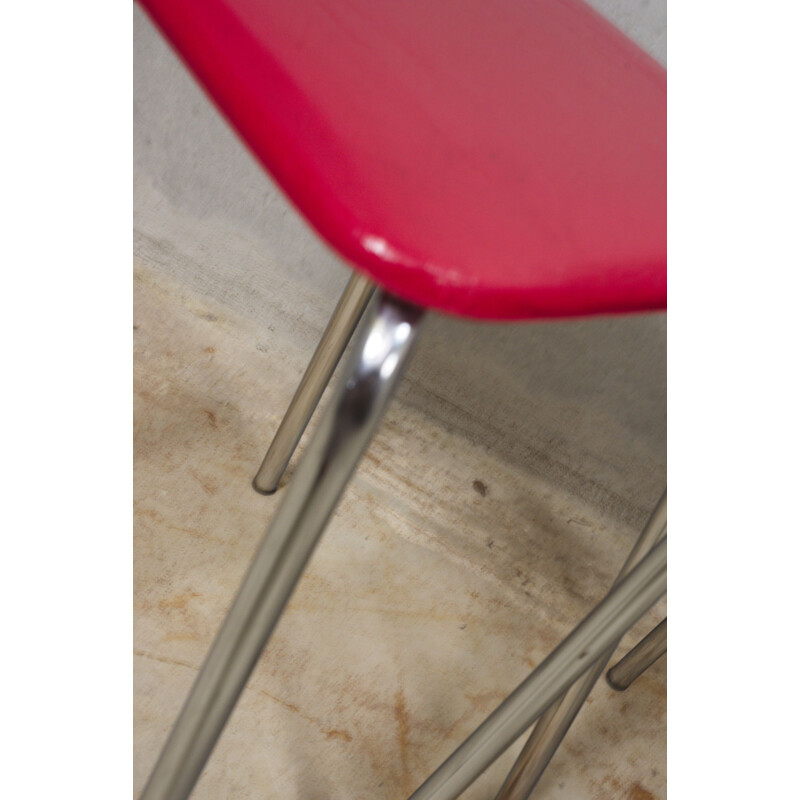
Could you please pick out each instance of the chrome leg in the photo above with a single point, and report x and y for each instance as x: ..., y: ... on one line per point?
x: 555, y: 722
x: 345, y: 317
x: 622, y: 606
x: 344, y: 432
x: 642, y: 657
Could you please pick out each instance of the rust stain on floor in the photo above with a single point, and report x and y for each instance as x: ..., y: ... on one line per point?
x: 207, y: 484
x: 638, y: 792
x: 337, y: 734
x: 402, y: 720
x: 178, y: 601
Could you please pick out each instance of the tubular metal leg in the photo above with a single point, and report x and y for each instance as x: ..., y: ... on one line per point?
x: 345, y: 430
x: 642, y: 657
x: 555, y: 722
x: 345, y: 317
x: 622, y: 606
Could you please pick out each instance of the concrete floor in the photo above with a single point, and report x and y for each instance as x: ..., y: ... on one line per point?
x: 492, y: 511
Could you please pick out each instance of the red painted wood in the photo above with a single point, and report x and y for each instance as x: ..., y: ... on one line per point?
x: 500, y: 160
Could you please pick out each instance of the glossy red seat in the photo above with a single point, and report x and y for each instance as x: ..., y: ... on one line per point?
x: 499, y: 161
x: 504, y: 162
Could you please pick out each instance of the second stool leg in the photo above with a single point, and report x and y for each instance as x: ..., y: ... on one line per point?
x: 553, y: 725
x: 620, y: 609
x: 643, y: 656
x: 334, y: 340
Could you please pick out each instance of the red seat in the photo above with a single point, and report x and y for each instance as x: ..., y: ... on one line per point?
x: 503, y: 161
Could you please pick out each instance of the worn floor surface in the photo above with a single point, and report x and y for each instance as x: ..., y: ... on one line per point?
x: 445, y: 576
x: 492, y: 511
